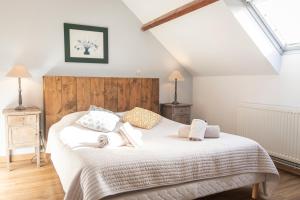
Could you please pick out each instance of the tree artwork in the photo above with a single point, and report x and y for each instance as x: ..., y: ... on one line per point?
x: 86, y: 46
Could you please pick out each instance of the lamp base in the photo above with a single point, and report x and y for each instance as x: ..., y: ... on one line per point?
x: 20, y: 108
x: 175, y: 102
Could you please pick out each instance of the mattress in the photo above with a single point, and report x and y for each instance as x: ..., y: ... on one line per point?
x: 91, y: 173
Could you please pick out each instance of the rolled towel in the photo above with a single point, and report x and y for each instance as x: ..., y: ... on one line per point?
x: 75, y: 136
x: 102, y: 141
x: 133, y: 136
x: 212, y: 131
x: 115, y: 140
x: 184, y: 131
x: 197, y: 131
x: 111, y: 139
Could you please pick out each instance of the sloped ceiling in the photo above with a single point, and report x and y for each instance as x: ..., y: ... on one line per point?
x: 208, y: 41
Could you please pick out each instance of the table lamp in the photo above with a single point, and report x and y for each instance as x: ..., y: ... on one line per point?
x: 19, y: 71
x: 176, y: 76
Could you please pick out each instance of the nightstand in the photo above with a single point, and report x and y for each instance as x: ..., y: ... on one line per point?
x: 177, y: 112
x: 22, y: 129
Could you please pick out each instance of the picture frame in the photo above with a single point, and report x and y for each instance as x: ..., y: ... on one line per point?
x: 85, y: 44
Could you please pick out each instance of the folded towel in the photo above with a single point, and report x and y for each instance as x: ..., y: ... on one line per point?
x: 76, y: 136
x: 197, y: 131
x: 212, y: 131
x: 133, y: 136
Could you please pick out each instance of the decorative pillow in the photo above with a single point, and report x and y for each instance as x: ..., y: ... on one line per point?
x: 141, y: 118
x: 99, y: 121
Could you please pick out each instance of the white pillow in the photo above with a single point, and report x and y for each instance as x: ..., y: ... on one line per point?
x: 99, y: 121
x: 95, y: 108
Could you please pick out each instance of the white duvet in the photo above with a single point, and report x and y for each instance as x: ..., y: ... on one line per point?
x: 163, y: 160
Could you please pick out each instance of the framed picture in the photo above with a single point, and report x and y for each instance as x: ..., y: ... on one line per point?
x: 85, y: 44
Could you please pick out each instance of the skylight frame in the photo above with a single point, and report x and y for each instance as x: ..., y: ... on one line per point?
x: 282, y: 48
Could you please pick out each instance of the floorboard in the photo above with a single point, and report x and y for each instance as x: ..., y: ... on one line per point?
x: 26, y: 182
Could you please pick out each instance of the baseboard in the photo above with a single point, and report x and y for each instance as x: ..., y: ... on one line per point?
x: 287, y: 166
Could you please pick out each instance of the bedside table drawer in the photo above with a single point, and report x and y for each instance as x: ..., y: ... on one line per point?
x: 21, y: 120
x: 184, y: 119
x: 182, y: 111
x: 177, y: 112
x: 22, y: 136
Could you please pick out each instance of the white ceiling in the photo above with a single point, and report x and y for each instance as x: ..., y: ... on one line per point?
x: 208, y: 41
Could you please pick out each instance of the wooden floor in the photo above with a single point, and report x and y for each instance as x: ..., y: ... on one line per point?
x: 27, y: 182
x: 289, y: 189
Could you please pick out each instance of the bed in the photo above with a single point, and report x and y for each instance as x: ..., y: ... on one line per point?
x: 166, y: 167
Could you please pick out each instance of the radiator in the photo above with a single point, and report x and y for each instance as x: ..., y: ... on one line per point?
x: 276, y: 128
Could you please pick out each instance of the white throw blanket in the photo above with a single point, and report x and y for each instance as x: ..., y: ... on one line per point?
x: 133, y: 136
x: 197, y: 131
x: 76, y: 136
x: 212, y: 131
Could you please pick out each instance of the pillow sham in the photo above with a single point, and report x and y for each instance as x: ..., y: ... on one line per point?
x: 141, y: 118
x: 102, y: 121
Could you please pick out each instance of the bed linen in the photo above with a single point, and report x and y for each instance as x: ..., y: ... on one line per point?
x: 165, y: 160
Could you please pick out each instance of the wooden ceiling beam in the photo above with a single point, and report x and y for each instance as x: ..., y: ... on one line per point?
x: 185, y: 9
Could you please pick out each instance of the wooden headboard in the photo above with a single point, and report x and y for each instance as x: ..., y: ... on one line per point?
x: 66, y: 94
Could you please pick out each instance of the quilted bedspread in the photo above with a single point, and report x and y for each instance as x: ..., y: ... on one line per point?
x: 165, y: 160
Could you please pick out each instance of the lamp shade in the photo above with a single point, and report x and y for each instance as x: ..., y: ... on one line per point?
x: 176, y: 75
x: 19, y: 71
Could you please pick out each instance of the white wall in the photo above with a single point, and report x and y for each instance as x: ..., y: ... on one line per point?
x: 210, y: 40
x: 32, y: 34
x: 216, y: 98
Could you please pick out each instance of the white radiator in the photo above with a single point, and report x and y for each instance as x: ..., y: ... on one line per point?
x: 276, y: 128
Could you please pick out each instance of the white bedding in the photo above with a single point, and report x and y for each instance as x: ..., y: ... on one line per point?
x: 164, y: 160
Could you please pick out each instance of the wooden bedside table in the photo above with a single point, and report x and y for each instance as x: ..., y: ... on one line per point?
x: 177, y: 112
x: 22, y: 129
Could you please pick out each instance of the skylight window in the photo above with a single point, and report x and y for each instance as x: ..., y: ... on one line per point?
x: 280, y: 19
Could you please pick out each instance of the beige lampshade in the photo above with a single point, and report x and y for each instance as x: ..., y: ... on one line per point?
x: 19, y: 71
x: 176, y: 75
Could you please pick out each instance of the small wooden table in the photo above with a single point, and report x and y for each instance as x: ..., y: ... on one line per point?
x: 177, y: 112
x: 22, y: 129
